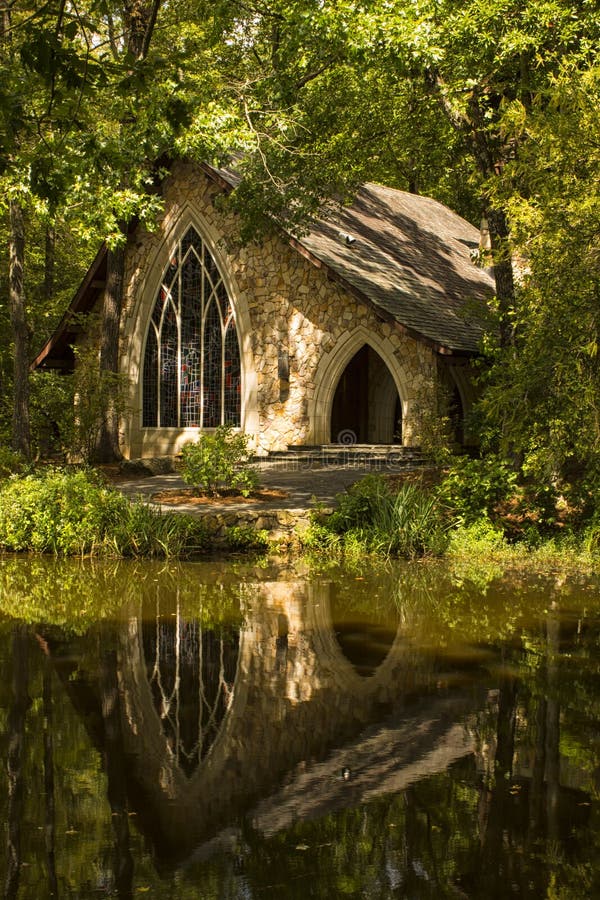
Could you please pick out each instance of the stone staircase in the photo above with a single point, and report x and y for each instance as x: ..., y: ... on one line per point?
x: 359, y: 456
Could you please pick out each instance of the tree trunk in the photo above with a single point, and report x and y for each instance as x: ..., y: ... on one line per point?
x: 49, y: 263
x: 139, y: 20
x: 20, y: 332
x: 503, y: 272
x: 108, y: 441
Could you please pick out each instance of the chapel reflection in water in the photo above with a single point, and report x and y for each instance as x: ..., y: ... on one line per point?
x: 233, y: 717
x: 191, y: 671
x: 219, y: 702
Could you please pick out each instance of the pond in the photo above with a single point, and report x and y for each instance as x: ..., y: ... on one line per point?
x: 294, y: 730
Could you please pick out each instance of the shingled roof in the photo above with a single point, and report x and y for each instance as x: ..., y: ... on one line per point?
x: 407, y: 256
x: 411, y: 257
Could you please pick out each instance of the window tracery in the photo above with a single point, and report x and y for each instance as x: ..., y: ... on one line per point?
x: 192, y: 368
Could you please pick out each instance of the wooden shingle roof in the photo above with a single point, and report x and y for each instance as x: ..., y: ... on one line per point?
x: 411, y: 257
x: 408, y: 256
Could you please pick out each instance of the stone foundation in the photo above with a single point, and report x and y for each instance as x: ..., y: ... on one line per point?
x: 282, y: 525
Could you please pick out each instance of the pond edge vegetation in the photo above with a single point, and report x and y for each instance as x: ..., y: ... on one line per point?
x: 473, y: 510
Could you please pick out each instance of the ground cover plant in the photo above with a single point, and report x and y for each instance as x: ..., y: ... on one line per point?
x: 470, y: 508
x: 73, y: 512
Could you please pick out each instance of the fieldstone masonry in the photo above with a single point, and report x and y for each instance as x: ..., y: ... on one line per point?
x: 282, y: 301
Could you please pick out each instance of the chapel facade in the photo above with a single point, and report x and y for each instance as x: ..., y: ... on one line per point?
x: 340, y: 336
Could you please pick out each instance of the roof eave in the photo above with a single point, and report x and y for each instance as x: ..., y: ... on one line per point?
x: 77, y: 305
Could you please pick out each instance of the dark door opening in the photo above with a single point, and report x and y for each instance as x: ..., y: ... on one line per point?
x: 366, y: 407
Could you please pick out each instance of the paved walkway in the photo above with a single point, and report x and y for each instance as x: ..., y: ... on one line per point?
x: 303, y: 483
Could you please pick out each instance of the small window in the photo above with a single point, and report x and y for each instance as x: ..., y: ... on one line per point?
x: 192, y: 370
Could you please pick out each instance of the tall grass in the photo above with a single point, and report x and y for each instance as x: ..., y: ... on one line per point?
x: 371, y: 518
x: 409, y: 524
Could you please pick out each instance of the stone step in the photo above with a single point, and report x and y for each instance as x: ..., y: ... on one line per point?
x: 370, y: 456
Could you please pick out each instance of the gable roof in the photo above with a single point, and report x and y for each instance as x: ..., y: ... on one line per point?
x: 411, y: 256
x: 408, y: 256
x: 405, y: 255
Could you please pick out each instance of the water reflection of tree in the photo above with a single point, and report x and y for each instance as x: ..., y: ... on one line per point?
x: 14, y: 762
x: 49, y: 790
x: 110, y: 704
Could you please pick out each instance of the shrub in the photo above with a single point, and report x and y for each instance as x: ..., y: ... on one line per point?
x: 471, y: 488
x: 477, y: 539
x: 244, y: 537
x: 218, y: 461
x: 58, y: 512
x: 11, y: 463
x: 73, y: 513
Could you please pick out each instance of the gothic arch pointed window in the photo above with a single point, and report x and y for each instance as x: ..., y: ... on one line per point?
x: 192, y: 368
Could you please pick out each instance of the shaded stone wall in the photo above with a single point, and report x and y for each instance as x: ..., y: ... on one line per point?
x: 283, y: 303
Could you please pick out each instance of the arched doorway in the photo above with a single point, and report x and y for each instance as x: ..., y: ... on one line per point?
x: 366, y: 406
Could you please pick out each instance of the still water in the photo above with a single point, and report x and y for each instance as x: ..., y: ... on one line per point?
x: 220, y: 731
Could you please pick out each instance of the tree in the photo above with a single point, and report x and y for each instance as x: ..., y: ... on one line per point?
x: 544, y: 397
x: 46, y: 67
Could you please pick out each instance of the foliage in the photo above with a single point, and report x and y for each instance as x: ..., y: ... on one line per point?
x: 218, y: 461
x: 371, y: 518
x: 74, y: 513
x: 93, y: 390
x: 244, y: 537
x: 11, y: 463
x: 147, y: 532
x: 471, y: 488
x: 52, y: 412
x: 543, y: 398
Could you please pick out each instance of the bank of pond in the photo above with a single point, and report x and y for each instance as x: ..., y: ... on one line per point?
x: 297, y: 729
x: 472, y: 509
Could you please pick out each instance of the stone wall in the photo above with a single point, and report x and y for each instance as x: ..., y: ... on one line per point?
x: 282, y: 302
x: 281, y: 525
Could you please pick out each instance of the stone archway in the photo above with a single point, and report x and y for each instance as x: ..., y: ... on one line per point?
x: 366, y: 406
x: 393, y: 390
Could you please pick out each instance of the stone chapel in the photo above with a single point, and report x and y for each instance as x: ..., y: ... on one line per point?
x: 339, y: 336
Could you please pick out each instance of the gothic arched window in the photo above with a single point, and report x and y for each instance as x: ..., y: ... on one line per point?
x: 192, y: 371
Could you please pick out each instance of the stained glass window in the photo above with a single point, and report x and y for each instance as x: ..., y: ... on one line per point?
x: 192, y: 369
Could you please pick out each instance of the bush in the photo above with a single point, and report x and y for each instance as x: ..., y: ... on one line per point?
x: 244, y: 537
x: 73, y: 513
x: 471, y: 488
x: 219, y: 461
x: 478, y: 539
x: 57, y: 512
x: 11, y: 463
